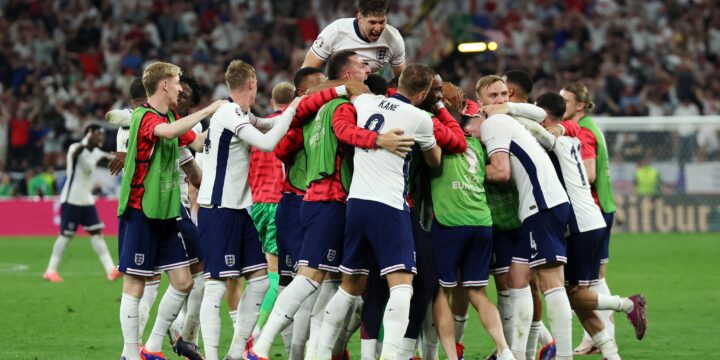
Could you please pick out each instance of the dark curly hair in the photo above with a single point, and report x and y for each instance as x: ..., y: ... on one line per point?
x: 195, y: 89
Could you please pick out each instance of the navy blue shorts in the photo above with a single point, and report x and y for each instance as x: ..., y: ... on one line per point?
x: 323, y: 226
x: 503, y: 246
x: 230, y: 244
x: 583, y: 253
x: 73, y: 215
x: 464, y: 249
x: 189, y: 234
x: 542, y: 237
x: 605, y: 251
x: 373, y: 228
x: 289, y: 233
x: 148, y: 246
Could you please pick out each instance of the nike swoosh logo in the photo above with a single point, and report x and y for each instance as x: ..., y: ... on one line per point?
x: 508, y: 318
x: 287, y: 317
x: 532, y: 256
x: 133, y: 317
x: 217, y: 307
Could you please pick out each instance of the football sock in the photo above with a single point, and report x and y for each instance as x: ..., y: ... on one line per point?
x: 606, y: 345
x: 57, y: 253
x: 192, y: 312
x: 101, y: 249
x: 460, y: 324
x: 544, y: 337
x: 560, y: 317
x: 286, y: 336
x: 301, y: 327
x: 269, y: 300
x: 335, y: 313
x: 286, y: 305
x: 521, y: 309
x: 430, y: 342
x: 210, y: 316
x: 601, y: 288
x: 328, y: 288
x: 407, y: 348
x: 352, y: 324
x: 368, y: 349
x: 129, y: 324
x: 248, y: 312
x: 615, y: 303
x: 503, y: 306
x: 168, y: 309
x: 533, y: 340
x: 233, y: 316
x: 395, y: 319
x: 146, y: 303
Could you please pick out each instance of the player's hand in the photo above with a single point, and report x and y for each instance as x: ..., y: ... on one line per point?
x: 117, y: 163
x: 394, y: 142
x: 355, y: 88
x: 294, y: 104
x: 452, y: 97
x: 212, y: 108
x: 491, y: 110
x: 556, y: 130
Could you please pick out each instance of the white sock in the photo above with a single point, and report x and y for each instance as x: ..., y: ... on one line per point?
x: 407, y: 348
x: 545, y: 336
x: 460, y: 324
x: 614, y: 303
x: 210, y: 317
x: 335, y: 313
x: 301, y: 327
x: 101, y: 249
x: 606, y: 345
x: 560, y: 317
x: 177, y: 325
x: 368, y: 349
x: 57, y: 253
x: 129, y: 324
x: 168, y: 309
x: 430, y: 342
x: 395, y: 319
x: 504, y: 308
x: 601, y: 288
x: 521, y: 307
x: 233, y: 316
x: 286, y: 336
x: 351, y: 325
x: 533, y: 339
x: 146, y: 303
x: 192, y: 312
x: 328, y: 288
x: 286, y: 305
x: 248, y: 312
x: 505, y: 354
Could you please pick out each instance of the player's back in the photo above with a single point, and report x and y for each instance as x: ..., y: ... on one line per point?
x: 532, y: 171
x: 568, y: 163
x: 81, y: 162
x: 378, y: 174
x: 226, y: 161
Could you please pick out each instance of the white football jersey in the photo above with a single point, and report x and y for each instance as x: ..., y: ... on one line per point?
x: 123, y: 133
x: 226, y: 161
x: 380, y: 175
x: 344, y: 34
x: 532, y: 171
x: 81, y: 163
x: 184, y: 157
x: 569, y: 166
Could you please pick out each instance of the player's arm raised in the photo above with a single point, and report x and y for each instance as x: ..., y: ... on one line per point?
x: 312, y: 60
x: 179, y: 127
x: 266, y: 142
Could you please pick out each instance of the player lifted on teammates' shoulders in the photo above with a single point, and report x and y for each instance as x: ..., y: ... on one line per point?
x: 378, y: 220
x: 368, y: 34
x: 78, y: 204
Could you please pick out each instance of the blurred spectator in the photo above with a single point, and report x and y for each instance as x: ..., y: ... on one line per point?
x: 647, y: 178
x: 19, y: 137
x: 6, y: 187
x: 37, y: 184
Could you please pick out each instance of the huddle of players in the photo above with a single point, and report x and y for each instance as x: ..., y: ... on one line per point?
x: 344, y: 218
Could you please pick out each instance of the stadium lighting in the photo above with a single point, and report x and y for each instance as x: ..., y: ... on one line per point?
x: 492, y: 46
x: 473, y: 47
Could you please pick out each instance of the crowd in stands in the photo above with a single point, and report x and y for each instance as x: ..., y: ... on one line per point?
x: 64, y: 63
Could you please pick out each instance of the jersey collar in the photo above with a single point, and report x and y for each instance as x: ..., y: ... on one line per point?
x: 401, y: 98
x: 357, y: 31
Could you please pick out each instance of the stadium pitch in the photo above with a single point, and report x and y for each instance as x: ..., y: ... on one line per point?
x: 78, y: 319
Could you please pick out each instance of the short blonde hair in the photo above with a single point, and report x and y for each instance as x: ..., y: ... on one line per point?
x: 156, y: 72
x: 485, y: 82
x: 238, y: 73
x: 283, y: 93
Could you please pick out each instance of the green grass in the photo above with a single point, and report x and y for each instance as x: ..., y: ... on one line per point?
x: 78, y: 319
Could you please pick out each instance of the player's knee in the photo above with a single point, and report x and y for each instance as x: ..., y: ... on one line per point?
x: 259, y: 284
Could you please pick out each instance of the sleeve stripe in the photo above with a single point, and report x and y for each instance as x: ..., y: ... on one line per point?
x: 318, y: 55
x: 499, y: 150
x: 239, y: 127
x: 429, y: 146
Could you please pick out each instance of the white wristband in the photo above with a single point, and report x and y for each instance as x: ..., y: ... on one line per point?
x: 341, y: 90
x: 440, y: 105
